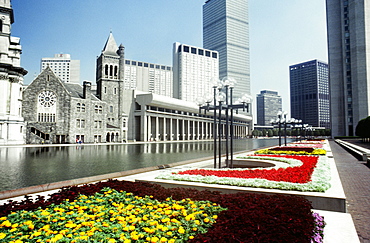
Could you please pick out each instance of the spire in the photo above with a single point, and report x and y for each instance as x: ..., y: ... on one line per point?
x: 110, y: 47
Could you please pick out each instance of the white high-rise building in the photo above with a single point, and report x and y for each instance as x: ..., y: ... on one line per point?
x: 193, y: 70
x: 148, y: 77
x: 226, y: 30
x: 12, y: 127
x: 66, y: 69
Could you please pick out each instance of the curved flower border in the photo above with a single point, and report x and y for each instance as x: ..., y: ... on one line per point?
x: 319, y: 180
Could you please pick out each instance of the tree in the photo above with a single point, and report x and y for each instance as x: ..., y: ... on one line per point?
x: 363, y: 129
x: 270, y: 133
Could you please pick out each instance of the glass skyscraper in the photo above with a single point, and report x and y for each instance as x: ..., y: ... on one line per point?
x: 348, y: 22
x: 309, y: 93
x: 226, y: 30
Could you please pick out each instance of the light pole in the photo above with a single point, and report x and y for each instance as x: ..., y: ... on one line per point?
x: 222, y: 101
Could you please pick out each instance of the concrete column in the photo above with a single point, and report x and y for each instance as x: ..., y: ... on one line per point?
x: 156, y: 128
x: 171, y: 130
x: 164, y: 129
x: 149, y: 128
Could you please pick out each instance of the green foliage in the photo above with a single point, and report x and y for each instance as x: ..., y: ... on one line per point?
x: 363, y: 128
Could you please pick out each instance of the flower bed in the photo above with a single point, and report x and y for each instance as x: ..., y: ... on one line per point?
x: 292, y: 150
x: 141, y: 212
x: 312, y: 174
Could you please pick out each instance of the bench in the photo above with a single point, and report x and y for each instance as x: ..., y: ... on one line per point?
x: 359, y: 152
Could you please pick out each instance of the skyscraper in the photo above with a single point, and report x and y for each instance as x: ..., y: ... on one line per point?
x: 348, y: 22
x: 193, y: 69
x: 66, y: 69
x: 226, y: 30
x: 309, y: 93
x: 269, y: 103
x: 11, y: 121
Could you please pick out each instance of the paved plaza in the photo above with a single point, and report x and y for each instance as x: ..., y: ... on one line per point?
x: 355, y: 178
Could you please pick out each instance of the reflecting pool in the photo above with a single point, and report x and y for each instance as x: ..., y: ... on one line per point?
x: 29, y: 166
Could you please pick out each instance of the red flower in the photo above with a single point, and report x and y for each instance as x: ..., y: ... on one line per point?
x: 299, y: 174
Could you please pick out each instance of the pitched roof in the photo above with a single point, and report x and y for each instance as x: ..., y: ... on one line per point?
x: 76, y: 91
x: 110, y: 47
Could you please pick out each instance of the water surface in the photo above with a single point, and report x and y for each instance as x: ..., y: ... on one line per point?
x: 29, y: 166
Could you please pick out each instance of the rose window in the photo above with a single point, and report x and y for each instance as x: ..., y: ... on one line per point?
x: 47, y: 99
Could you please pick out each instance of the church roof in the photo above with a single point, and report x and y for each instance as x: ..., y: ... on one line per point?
x: 110, y: 47
x: 76, y: 91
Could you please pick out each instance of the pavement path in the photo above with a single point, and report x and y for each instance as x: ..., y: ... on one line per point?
x: 355, y: 178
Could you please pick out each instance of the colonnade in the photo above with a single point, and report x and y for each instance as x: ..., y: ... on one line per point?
x: 161, y: 127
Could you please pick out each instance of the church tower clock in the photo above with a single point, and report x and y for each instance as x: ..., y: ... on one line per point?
x: 11, y: 80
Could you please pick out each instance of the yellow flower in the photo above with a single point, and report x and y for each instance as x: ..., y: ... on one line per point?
x: 181, y: 230
x: 154, y: 239
x: 163, y: 239
x: 111, y: 241
x: 206, y: 220
x: 2, y: 235
x: 191, y: 237
x: 6, y: 223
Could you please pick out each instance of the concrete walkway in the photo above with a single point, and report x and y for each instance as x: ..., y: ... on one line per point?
x: 355, y: 178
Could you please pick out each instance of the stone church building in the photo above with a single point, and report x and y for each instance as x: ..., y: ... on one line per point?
x: 59, y: 112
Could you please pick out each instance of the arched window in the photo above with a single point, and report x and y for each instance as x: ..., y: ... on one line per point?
x: 115, y: 71
x: 111, y: 70
x: 106, y: 70
x: 1, y: 25
x: 78, y: 107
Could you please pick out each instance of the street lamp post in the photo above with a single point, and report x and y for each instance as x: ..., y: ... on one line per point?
x: 224, y: 103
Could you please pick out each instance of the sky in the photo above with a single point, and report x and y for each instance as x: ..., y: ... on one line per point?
x: 282, y: 33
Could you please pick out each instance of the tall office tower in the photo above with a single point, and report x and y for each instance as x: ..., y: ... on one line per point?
x: 11, y: 80
x: 148, y: 77
x: 66, y: 69
x: 226, y: 30
x: 309, y: 93
x: 348, y: 23
x: 269, y: 103
x: 193, y: 70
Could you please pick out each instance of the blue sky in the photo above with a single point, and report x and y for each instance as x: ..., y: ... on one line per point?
x: 282, y: 33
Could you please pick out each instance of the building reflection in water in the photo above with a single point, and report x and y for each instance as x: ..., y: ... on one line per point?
x: 28, y: 166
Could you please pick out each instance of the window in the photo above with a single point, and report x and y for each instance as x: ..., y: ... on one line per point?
x: 208, y: 53
x: 111, y: 109
x: 200, y: 52
x: 78, y: 107
x: 106, y: 70
x: 186, y: 49
x: 96, y: 109
x: 83, y: 108
x: 214, y: 54
x: 115, y: 90
x: 193, y: 50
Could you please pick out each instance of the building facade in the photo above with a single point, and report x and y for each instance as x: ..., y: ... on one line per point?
x: 148, y: 77
x: 193, y: 70
x: 269, y: 103
x: 348, y: 22
x: 153, y: 117
x: 12, y: 125
x: 226, y: 30
x: 309, y: 93
x: 66, y: 69
x: 58, y: 112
